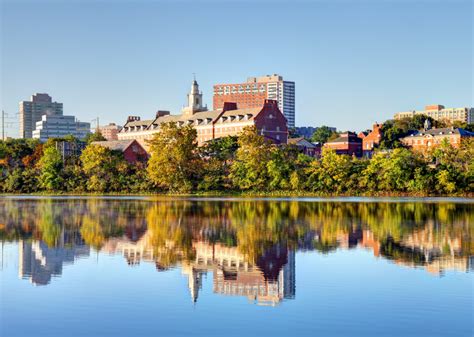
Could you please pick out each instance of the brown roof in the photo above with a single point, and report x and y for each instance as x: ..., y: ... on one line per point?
x: 115, y: 145
x: 212, y: 116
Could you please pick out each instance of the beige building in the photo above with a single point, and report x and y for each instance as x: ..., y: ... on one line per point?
x: 439, y: 112
x: 32, y: 111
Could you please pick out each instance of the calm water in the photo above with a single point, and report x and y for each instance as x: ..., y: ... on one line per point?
x: 210, y: 267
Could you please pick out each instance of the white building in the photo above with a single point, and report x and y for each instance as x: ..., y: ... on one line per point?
x: 54, y: 126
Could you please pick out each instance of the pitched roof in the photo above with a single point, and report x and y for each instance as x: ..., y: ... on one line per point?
x: 115, y: 145
x: 443, y: 131
x: 211, y: 115
x: 301, y: 141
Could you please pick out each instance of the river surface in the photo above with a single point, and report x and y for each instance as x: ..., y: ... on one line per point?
x: 145, y: 266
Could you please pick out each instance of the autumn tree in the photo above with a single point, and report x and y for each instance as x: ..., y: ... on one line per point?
x: 174, y: 164
x: 102, y: 167
x: 249, y: 169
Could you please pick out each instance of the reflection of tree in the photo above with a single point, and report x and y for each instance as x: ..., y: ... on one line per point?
x: 92, y: 233
x: 49, y: 228
x: 255, y: 227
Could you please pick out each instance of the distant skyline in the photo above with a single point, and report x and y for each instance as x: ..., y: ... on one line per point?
x: 353, y: 62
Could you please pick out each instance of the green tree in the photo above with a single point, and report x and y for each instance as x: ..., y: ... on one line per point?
x: 101, y: 166
x: 322, y: 134
x: 330, y: 174
x: 249, y: 169
x: 174, y: 163
x: 94, y: 137
x: 51, y: 165
x: 394, y: 172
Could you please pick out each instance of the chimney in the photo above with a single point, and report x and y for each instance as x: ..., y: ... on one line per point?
x: 228, y: 106
x: 271, y: 102
x: 133, y: 118
x: 161, y: 113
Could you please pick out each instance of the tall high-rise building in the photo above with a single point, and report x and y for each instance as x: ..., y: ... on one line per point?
x: 255, y: 91
x: 32, y: 111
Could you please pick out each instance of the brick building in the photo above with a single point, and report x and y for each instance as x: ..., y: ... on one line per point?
x: 254, y: 92
x: 110, y: 131
x: 347, y: 143
x: 132, y: 150
x: 305, y: 146
x: 425, y: 139
x: 228, y: 121
x: 371, y: 140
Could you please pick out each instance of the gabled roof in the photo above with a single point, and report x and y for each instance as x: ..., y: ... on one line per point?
x: 301, y: 141
x: 115, y: 145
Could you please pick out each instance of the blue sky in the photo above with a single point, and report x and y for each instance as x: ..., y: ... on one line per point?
x: 354, y: 62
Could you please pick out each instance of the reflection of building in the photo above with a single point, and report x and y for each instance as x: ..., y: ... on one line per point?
x: 268, y: 281
x: 39, y: 263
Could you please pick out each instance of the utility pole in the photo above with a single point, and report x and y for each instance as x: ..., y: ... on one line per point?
x: 3, y: 125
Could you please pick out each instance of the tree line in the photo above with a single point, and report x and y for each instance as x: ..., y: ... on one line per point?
x: 247, y: 163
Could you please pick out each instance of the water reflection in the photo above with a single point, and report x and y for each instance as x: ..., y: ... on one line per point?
x: 248, y: 246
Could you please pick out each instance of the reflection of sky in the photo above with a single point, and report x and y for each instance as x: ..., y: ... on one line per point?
x: 339, y: 294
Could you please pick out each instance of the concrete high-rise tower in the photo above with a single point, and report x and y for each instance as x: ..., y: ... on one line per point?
x: 32, y: 111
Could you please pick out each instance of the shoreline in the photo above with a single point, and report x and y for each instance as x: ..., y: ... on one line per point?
x: 241, y: 195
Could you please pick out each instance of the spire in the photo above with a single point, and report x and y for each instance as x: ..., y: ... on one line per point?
x: 194, y: 99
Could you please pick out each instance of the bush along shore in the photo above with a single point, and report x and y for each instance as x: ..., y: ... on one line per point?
x: 247, y: 165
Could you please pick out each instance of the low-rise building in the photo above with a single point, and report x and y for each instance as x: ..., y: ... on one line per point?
x: 305, y: 146
x: 347, y: 143
x: 110, y: 131
x: 132, y: 150
x: 372, y: 139
x: 56, y: 126
x: 425, y: 139
x: 439, y: 112
x: 228, y: 121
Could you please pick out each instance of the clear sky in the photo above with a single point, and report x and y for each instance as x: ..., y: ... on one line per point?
x: 354, y: 62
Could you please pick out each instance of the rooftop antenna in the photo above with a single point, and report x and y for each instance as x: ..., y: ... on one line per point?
x: 194, y: 76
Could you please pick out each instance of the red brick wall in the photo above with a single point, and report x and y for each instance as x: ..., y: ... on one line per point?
x: 372, y: 139
x: 134, y: 153
x: 273, y: 123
